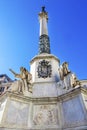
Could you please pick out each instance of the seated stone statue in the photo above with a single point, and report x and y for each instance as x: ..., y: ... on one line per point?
x: 16, y: 86
x: 69, y: 82
x: 28, y: 80
x: 74, y: 81
x: 63, y: 70
x: 25, y: 81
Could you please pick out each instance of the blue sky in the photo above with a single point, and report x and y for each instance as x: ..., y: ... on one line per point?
x: 19, y: 33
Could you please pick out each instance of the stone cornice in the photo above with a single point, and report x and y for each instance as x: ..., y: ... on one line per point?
x: 70, y: 94
x: 44, y: 55
x: 83, y: 81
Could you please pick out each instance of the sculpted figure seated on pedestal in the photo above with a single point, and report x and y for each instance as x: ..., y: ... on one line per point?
x: 67, y: 79
x: 74, y: 80
x: 21, y: 85
x: 71, y: 81
x: 63, y: 70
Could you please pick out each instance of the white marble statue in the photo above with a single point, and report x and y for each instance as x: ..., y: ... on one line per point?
x: 24, y: 84
x: 17, y: 86
x: 74, y: 81
x: 63, y: 70
x: 68, y: 82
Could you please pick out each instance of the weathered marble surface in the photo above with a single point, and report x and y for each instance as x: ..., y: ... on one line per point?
x: 73, y: 112
x: 2, y: 107
x: 64, y: 112
x: 45, y: 90
x: 16, y: 114
x: 85, y: 100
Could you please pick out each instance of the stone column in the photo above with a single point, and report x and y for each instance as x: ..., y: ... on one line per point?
x: 44, y: 42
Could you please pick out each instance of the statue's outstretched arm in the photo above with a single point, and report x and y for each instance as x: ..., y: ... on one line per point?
x: 12, y: 72
x: 15, y: 74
